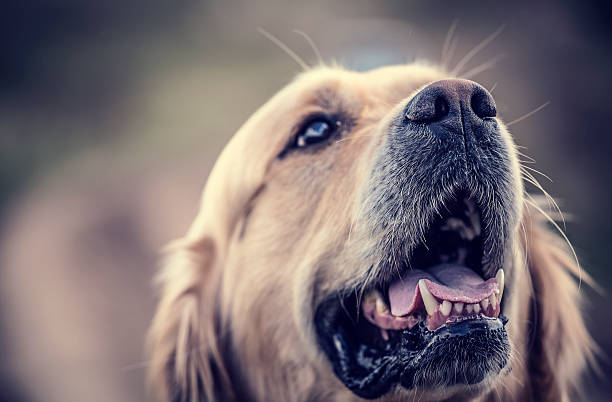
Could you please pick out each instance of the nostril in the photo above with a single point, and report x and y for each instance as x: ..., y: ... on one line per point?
x: 447, y: 100
x: 428, y: 106
x: 441, y: 108
x: 482, y: 104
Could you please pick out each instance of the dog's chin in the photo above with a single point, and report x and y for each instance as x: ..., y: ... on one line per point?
x: 456, y: 356
x: 435, y: 328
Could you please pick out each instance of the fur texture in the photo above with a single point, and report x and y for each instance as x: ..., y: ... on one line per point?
x: 279, y: 229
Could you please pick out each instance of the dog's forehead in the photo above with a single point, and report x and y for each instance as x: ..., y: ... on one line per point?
x: 389, y: 84
x: 370, y: 94
x: 335, y: 90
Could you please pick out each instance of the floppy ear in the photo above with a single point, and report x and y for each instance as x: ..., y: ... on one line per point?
x: 187, y: 360
x: 187, y: 352
x: 560, y: 346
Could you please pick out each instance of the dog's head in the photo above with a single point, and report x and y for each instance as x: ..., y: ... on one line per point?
x: 365, y: 234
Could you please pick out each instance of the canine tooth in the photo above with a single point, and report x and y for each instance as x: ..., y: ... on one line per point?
x: 430, y: 302
x: 476, y: 308
x: 469, y: 308
x: 459, y: 307
x: 381, y: 306
x: 371, y: 296
x: 446, y: 307
x: 484, y: 303
x: 499, y: 277
x: 493, y: 301
x: 384, y: 334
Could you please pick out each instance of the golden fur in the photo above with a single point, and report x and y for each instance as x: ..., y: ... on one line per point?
x: 235, y: 317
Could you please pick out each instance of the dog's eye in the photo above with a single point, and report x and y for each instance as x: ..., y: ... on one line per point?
x: 313, y: 132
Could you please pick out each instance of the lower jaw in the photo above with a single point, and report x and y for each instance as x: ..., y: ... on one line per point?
x: 464, y: 353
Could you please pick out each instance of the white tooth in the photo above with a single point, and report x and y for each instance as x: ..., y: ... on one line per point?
x: 493, y: 301
x: 484, y: 303
x: 372, y: 296
x: 476, y: 308
x: 459, y: 307
x: 384, y: 334
x: 469, y: 308
x: 499, y: 277
x: 430, y: 302
x: 381, y: 306
x: 446, y: 307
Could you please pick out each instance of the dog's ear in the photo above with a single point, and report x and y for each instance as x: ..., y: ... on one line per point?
x: 187, y: 352
x: 560, y: 346
x: 187, y: 362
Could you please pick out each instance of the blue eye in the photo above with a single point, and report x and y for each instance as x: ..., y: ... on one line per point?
x: 315, y: 131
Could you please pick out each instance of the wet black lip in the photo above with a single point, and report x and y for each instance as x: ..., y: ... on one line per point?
x: 464, y: 352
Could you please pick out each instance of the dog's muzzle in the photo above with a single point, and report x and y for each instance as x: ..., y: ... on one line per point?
x: 440, y: 208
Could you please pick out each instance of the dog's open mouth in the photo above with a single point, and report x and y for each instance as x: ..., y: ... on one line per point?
x: 436, y: 324
x: 443, y: 283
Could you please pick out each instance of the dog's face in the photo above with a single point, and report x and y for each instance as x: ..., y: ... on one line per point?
x: 360, y: 232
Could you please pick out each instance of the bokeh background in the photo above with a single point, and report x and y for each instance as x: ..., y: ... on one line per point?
x: 112, y: 113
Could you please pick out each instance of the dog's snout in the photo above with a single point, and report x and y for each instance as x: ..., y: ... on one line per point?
x: 453, y: 99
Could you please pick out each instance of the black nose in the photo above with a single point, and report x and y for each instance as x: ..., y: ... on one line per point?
x: 458, y: 100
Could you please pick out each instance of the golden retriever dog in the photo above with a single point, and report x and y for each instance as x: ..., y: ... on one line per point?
x: 367, y: 235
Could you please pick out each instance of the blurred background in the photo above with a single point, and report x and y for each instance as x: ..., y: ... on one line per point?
x: 112, y: 113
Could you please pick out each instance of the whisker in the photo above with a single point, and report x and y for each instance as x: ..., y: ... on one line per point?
x: 451, y: 50
x: 538, y: 172
x: 493, y: 88
x: 466, y: 59
x: 285, y: 48
x: 483, y: 67
x: 526, y: 255
x: 314, y: 47
x: 444, y: 59
x: 530, y: 201
x: 551, y: 201
x: 523, y: 117
x: 524, y: 155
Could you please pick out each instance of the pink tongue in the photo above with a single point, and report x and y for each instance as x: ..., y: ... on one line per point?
x: 455, y: 283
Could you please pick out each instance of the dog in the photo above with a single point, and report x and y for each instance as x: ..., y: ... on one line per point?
x: 367, y: 235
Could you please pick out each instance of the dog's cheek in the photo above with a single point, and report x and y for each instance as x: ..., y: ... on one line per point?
x: 304, y: 291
